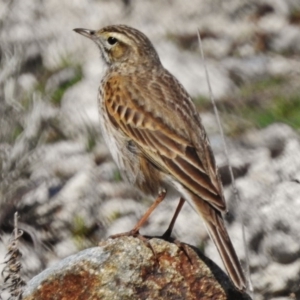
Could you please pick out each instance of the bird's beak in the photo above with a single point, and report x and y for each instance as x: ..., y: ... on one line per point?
x: 91, y: 34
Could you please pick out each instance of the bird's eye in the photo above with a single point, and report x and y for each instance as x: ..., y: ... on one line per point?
x: 111, y: 40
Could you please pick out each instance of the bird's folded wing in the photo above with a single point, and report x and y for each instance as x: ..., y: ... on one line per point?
x: 165, y: 147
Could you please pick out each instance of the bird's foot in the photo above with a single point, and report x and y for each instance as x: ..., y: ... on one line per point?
x: 167, y: 235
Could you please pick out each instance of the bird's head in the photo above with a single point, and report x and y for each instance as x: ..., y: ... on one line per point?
x: 121, y: 44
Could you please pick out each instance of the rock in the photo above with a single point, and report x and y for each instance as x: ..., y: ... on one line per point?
x: 287, y: 40
x: 125, y: 268
x: 283, y: 247
x: 274, y: 137
x: 27, y: 82
x: 248, y: 68
x: 189, y: 70
x: 275, y: 279
x: 273, y: 240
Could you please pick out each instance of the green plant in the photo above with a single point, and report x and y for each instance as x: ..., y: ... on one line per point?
x: 58, y: 94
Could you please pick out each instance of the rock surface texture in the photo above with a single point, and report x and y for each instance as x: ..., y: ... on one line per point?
x: 126, y: 268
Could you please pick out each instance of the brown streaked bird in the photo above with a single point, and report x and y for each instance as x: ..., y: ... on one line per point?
x: 156, y: 137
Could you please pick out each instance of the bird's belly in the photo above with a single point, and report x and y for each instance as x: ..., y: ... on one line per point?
x: 110, y: 136
x: 117, y: 143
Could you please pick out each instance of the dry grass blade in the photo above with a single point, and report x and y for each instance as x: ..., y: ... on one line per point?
x: 13, y: 282
x: 234, y: 188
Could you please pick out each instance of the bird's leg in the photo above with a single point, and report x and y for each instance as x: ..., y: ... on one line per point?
x: 168, y: 232
x: 144, y: 218
x: 135, y: 231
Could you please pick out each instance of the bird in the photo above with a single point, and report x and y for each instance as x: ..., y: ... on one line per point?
x: 155, y: 135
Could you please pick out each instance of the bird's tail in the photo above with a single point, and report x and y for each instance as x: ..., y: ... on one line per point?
x: 218, y: 233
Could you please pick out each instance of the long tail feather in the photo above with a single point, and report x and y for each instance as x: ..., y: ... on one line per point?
x: 218, y: 233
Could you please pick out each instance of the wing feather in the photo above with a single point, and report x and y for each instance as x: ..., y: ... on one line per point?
x: 166, y: 136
